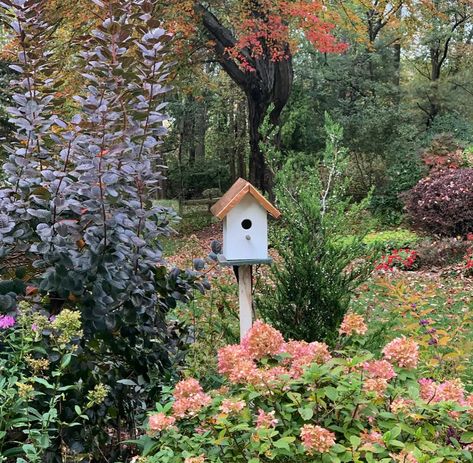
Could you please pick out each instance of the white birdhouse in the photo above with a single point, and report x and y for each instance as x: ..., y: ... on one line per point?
x: 244, y: 211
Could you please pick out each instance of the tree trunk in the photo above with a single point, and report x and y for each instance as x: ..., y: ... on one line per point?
x: 200, y: 128
x: 257, y: 166
x: 240, y: 138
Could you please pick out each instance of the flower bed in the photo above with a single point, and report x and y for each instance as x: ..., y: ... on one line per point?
x: 297, y: 401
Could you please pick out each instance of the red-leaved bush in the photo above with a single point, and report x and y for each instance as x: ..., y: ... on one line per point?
x: 442, y: 204
x: 405, y: 259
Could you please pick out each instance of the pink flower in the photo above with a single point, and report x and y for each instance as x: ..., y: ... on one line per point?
x: 189, y: 398
x: 353, y: 324
x: 316, y: 438
x: 377, y: 386
x: 402, y: 351
x: 428, y: 389
x: 234, y: 363
x: 368, y: 439
x: 229, y: 406
x: 199, y: 459
x: 160, y: 422
x: 262, y: 341
x: 404, y: 457
x: 303, y: 354
x: 400, y: 405
x: 451, y: 390
x: 379, y: 369
x: 269, y: 377
x: 266, y: 420
x: 6, y: 322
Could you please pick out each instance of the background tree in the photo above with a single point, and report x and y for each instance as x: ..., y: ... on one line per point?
x: 254, y: 44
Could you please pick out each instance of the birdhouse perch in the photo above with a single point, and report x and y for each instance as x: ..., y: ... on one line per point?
x: 244, y: 211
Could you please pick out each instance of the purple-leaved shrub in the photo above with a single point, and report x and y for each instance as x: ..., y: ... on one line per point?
x: 77, y: 200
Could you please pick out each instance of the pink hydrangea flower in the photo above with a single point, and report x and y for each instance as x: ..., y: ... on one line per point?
x: 377, y: 386
x: 262, y: 341
x: 233, y: 362
x: 402, y: 351
x: 266, y: 420
x: 428, y: 389
x: 404, y: 457
x: 379, y: 369
x: 269, y: 377
x: 451, y: 390
x: 316, y: 438
x: 229, y: 406
x: 400, y: 405
x: 189, y: 398
x: 159, y: 422
x: 368, y: 439
x: 6, y: 321
x: 199, y: 459
x: 353, y: 324
x: 303, y: 353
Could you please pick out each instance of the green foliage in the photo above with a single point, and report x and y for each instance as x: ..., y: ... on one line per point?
x: 386, y: 240
x: 37, y: 356
x: 331, y: 410
x: 314, y: 281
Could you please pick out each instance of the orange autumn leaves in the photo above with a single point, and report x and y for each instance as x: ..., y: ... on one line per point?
x: 269, y: 28
x: 270, y: 31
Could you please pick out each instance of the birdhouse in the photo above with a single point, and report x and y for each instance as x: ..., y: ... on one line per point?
x: 244, y: 211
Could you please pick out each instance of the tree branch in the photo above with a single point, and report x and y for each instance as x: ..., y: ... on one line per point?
x: 223, y: 39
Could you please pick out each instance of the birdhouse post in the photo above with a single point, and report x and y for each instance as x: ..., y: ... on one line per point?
x: 244, y: 211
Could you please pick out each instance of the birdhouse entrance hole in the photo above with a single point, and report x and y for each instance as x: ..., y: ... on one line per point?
x: 246, y: 224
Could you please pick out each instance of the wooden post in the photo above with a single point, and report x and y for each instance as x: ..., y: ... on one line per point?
x: 246, y: 299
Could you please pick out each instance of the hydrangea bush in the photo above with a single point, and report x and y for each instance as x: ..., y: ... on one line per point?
x: 293, y: 401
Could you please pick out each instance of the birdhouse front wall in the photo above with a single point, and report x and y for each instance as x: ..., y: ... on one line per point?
x: 245, y: 231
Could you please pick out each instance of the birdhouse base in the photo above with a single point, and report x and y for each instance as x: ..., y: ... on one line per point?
x: 238, y: 262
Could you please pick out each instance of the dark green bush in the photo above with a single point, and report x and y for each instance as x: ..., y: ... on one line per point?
x: 316, y: 276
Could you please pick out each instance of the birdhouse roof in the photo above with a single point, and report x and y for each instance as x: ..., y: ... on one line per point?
x: 235, y: 194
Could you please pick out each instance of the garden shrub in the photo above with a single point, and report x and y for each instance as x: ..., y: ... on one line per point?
x: 77, y: 203
x: 299, y: 402
x: 442, y: 252
x: 442, y: 204
x: 315, y: 278
x: 386, y: 240
x: 445, y: 152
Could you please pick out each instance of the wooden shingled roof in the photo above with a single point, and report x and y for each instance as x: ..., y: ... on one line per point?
x: 235, y: 194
